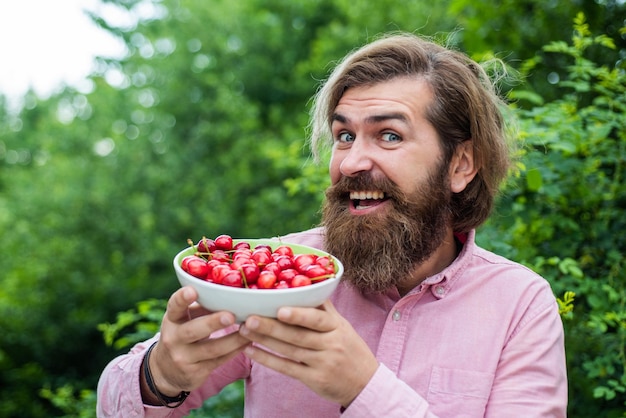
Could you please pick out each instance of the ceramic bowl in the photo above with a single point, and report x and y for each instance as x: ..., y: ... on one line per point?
x: 243, y: 302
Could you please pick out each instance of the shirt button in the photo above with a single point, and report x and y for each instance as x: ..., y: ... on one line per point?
x: 440, y: 290
x: 396, y: 315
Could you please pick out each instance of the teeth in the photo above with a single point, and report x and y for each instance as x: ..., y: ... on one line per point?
x: 376, y: 194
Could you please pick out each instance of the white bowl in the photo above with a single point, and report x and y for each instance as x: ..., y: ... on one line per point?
x: 243, y: 302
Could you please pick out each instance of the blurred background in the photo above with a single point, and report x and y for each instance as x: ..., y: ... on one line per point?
x: 191, y: 120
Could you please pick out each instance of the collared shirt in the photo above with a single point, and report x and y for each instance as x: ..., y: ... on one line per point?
x: 482, y: 338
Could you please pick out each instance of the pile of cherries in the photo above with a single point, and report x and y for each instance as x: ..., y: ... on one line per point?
x: 222, y: 262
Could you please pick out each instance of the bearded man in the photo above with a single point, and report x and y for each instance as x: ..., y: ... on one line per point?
x: 424, y: 323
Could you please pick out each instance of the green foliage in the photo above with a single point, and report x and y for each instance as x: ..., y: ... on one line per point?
x: 145, y: 321
x: 199, y: 131
x: 564, y: 217
x: 73, y: 405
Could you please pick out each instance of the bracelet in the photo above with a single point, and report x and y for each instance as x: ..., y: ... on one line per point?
x: 165, y: 400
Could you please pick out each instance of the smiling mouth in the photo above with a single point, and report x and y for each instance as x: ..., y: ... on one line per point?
x: 367, y: 199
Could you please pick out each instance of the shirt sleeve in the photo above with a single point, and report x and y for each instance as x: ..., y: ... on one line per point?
x: 387, y: 396
x: 119, y: 393
x: 531, y: 379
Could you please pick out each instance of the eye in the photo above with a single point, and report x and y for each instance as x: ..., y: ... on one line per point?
x: 391, y: 137
x: 345, y: 137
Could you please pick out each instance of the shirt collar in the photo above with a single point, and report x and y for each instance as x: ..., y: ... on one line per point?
x: 441, y: 283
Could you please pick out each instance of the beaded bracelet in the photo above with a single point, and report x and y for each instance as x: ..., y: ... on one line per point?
x: 165, y: 400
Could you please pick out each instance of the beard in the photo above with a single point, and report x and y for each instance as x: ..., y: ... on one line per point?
x: 381, y: 250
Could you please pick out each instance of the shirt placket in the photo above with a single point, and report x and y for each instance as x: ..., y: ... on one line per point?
x: 393, y: 337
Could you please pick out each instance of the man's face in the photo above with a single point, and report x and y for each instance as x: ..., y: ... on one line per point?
x: 387, y: 209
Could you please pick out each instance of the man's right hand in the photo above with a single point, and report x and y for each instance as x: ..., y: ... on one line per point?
x: 185, y: 355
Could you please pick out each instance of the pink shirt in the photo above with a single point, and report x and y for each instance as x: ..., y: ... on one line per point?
x: 483, y: 338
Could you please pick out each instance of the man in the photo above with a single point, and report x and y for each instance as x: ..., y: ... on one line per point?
x: 425, y: 323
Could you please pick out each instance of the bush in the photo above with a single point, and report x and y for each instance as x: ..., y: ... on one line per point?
x: 563, y: 215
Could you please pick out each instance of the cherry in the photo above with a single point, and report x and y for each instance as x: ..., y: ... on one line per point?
x: 242, y: 245
x: 195, y: 266
x: 284, y: 262
x: 300, y: 280
x: 206, y: 245
x: 273, y: 267
x: 266, y: 280
x: 224, y: 242
x: 314, y: 270
x: 287, y: 275
x: 284, y: 250
x: 220, y: 255
x: 261, y: 256
x: 250, y: 272
x: 219, y: 272
x: 233, y: 278
x: 301, y: 261
x: 281, y: 285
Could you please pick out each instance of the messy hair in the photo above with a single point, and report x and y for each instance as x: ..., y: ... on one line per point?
x: 465, y: 106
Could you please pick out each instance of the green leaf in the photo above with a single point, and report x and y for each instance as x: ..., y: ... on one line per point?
x: 533, y: 180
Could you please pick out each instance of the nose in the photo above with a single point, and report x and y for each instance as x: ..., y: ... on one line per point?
x: 356, y: 159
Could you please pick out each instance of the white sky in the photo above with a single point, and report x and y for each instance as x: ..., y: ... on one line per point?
x: 44, y: 43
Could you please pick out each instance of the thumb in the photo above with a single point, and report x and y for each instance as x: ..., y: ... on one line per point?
x: 178, y: 304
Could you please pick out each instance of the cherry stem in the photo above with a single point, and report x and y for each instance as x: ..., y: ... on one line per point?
x: 245, y: 280
x: 325, y: 276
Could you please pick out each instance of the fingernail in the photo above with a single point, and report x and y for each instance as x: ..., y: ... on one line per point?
x: 284, y: 313
x: 252, y: 323
x: 243, y: 330
x: 188, y: 294
x: 226, y: 320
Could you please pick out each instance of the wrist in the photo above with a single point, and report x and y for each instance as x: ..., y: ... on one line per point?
x: 151, y: 393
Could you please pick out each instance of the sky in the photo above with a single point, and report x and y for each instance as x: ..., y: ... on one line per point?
x: 45, y: 43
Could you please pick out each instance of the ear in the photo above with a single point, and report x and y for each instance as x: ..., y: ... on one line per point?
x: 462, y: 166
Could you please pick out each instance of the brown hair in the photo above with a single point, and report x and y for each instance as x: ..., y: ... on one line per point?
x: 465, y: 106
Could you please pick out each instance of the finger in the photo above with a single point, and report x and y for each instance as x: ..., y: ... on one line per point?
x: 178, y: 304
x: 322, y: 319
x: 281, y: 364
x: 220, y: 350
x: 279, y: 337
x: 200, y: 328
x: 196, y: 310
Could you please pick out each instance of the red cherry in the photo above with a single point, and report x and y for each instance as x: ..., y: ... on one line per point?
x: 273, y: 267
x: 301, y: 261
x: 224, y: 242
x: 287, y: 275
x: 300, y: 280
x: 281, y: 285
x: 211, y: 265
x: 184, y: 264
x: 261, y: 256
x: 266, y: 280
x: 250, y: 272
x: 233, y: 278
x: 241, y: 252
x: 206, y: 245
x: 284, y: 262
x: 314, y: 270
x: 242, y: 245
x: 263, y: 246
x: 220, y: 255
x: 240, y: 261
x: 195, y: 266
x: 219, y: 272
x: 284, y: 250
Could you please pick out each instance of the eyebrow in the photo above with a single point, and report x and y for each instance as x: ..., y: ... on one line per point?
x: 373, y: 119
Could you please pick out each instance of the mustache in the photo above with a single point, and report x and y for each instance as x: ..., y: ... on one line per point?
x: 362, y: 182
